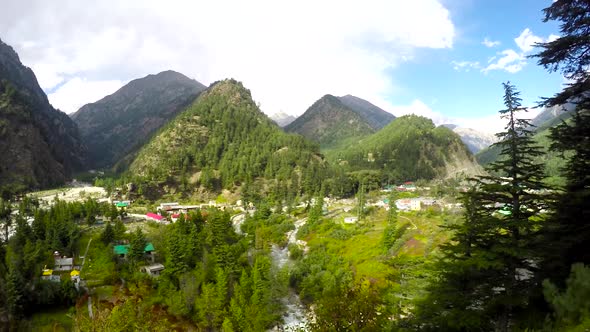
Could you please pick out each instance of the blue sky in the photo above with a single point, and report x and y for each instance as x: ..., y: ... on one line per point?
x: 469, y: 92
x: 424, y: 57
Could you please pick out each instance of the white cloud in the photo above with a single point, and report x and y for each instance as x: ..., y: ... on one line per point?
x: 465, y: 65
x: 490, y: 43
x: 513, y: 61
x: 77, y: 92
x: 527, y: 40
x: 509, y: 61
x: 551, y: 38
x: 418, y: 107
x: 288, y: 53
x: 489, y: 124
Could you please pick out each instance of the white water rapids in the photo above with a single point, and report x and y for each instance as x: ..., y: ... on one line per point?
x: 296, y: 316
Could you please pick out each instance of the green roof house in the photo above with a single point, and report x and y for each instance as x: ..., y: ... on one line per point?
x: 122, y: 250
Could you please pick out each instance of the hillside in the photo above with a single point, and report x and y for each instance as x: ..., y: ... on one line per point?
x: 121, y: 123
x: 221, y: 140
x: 40, y: 146
x: 333, y: 121
x: 410, y: 148
x: 375, y: 116
x: 550, y: 116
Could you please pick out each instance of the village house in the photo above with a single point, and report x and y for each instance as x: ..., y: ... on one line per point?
x: 62, y: 263
x: 47, y: 274
x: 406, y: 186
x: 154, y: 217
x: 153, y: 270
x: 177, y: 208
x: 122, y: 250
x: 409, y: 204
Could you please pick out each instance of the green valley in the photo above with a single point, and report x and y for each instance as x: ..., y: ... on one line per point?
x: 168, y: 205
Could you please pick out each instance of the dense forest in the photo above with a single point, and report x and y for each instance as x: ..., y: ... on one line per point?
x: 410, y: 147
x: 222, y: 140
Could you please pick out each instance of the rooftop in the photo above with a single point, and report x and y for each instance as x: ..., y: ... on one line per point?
x: 123, y: 249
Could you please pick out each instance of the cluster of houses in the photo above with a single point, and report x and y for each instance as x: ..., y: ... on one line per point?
x: 174, y: 210
x: 408, y: 204
x: 414, y: 204
x: 406, y: 186
x: 61, y: 264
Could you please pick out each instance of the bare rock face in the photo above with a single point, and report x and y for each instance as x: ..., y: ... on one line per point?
x: 40, y: 146
x: 119, y: 124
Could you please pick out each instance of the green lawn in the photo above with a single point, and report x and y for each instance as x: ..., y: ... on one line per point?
x: 363, y: 249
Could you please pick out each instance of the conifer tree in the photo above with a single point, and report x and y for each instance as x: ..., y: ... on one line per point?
x: 486, y: 273
x: 119, y: 229
x: 15, y: 293
x: 137, y: 246
x: 108, y: 234
x: 567, y: 236
x: 5, y: 216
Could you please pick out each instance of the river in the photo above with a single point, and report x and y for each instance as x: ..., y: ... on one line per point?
x: 296, y: 316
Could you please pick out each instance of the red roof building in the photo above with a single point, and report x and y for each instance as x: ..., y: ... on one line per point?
x: 154, y: 216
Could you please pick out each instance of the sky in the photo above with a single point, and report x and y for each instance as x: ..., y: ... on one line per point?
x: 444, y: 59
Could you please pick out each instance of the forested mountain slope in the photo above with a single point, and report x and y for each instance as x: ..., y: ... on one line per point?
x: 40, y: 146
x: 411, y: 148
x: 333, y: 121
x: 375, y: 116
x: 223, y: 139
x: 121, y: 123
x: 328, y: 121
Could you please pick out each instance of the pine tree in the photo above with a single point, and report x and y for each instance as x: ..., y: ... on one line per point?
x: 5, y: 217
x: 568, y: 234
x: 486, y: 272
x: 108, y: 234
x: 137, y: 246
x: 392, y: 213
x: 119, y: 229
x: 15, y: 294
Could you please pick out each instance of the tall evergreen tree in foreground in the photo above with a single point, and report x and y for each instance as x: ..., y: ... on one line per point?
x: 568, y: 234
x: 486, y: 272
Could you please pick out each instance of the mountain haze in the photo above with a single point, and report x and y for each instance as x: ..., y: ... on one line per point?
x: 282, y: 119
x: 40, y: 146
x: 332, y: 121
x: 121, y: 123
x: 473, y: 139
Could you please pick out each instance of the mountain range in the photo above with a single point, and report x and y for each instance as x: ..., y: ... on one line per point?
x: 171, y: 131
x: 121, y: 123
x: 40, y: 146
